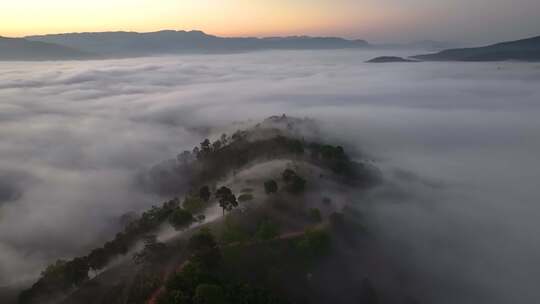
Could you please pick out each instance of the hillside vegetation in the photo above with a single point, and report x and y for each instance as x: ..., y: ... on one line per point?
x: 268, y: 217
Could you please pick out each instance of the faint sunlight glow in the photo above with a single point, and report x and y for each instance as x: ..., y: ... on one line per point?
x: 219, y: 17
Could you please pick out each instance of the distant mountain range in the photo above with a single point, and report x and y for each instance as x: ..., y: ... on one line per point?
x: 22, y: 49
x: 132, y: 44
x: 523, y: 50
x: 427, y: 45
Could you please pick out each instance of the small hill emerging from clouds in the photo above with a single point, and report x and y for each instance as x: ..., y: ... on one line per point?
x: 128, y: 44
x: 523, y: 50
x: 388, y: 59
x: 265, y: 196
x: 22, y: 49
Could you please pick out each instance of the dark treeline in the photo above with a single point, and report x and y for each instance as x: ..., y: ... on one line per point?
x: 214, y: 160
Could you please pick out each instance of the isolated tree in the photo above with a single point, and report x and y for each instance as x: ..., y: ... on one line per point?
x: 270, y: 186
x: 227, y: 200
x: 204, y: 193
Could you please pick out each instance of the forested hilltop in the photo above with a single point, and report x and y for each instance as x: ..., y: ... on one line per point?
x: 269, y: 217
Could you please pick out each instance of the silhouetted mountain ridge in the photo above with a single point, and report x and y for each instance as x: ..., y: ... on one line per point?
x: 22, y: 49
x: 523, y: 50
x: 125, y: 44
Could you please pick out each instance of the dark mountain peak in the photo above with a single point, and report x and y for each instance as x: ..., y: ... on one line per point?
x: 524, y: 50
x: 533, y: 41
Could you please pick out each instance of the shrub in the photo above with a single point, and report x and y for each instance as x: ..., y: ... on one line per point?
x: 270, y: 186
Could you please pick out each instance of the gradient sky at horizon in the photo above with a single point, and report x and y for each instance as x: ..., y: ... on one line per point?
x: 375, y: 20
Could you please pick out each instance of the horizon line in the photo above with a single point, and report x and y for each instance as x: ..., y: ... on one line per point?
x: 189, y: 31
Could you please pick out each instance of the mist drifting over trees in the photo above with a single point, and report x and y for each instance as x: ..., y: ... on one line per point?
x: 456, y: 143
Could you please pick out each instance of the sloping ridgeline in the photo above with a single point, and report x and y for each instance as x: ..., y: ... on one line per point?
x: 523, y: 50
x: 284, y: 213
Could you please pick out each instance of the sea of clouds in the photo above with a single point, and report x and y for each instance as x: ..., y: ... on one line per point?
x: 458, y: 144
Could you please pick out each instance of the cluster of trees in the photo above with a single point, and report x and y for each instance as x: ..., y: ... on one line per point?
x: 152, y: 251
x: 215, y: 160
x: 202, y: 281
x: 333, y: 157
x: 65, y: 275
x: 180, y: 218
x: 251, y: 230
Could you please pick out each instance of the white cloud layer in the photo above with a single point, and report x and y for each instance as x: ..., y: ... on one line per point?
x: 458, y: 143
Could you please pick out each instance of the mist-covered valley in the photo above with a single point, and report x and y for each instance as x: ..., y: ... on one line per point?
x: 457, y: 146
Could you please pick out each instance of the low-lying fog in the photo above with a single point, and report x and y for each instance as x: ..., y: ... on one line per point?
x: 459, y: 144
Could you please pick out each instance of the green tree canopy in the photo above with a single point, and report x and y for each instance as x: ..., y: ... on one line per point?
x: 181, y: 219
